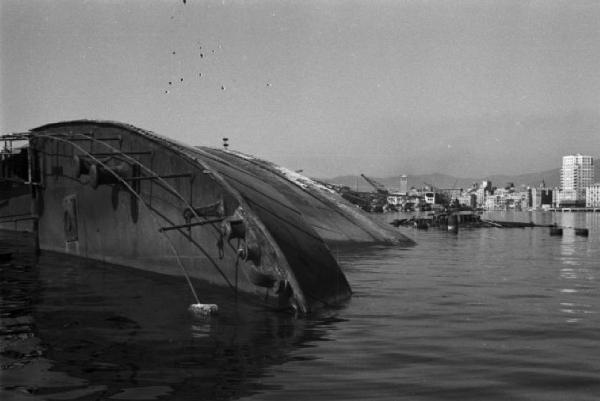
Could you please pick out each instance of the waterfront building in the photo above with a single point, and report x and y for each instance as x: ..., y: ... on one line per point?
x: 556, y: 197
x: 403, y: 184
x: 481, y: 195
x: 540, y: 198
x: 569, y: 197
x: 517, y: 200
x: 452, y: 194
x: 468, y: 199
x: 592, y: 195
x: 547, y: 195
x: 501, y: 192
x: 534, y: 198
x: 493, y: 203
x: 576, y: 174
x: 504, y: 199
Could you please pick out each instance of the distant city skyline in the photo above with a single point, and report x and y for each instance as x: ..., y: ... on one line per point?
x: 465, y: 88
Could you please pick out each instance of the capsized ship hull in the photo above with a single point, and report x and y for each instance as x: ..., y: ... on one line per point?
x: 119, y: 194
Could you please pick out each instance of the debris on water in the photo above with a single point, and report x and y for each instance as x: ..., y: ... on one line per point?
x: 170, y: 83
x: 203, y: 309
x: 180, y: 79
x: 268, y: 84
x: 222, y: 87
x: 166, y: 92
x: 173, y: 53
x: 184, y: 1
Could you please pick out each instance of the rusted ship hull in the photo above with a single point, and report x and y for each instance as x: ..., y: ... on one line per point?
x: 113, y: 192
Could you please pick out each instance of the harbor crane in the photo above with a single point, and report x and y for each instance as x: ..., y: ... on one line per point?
x: 380, y: 188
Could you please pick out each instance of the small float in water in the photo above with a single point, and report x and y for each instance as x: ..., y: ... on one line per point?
x: 556, y: 230
x: 453, y: 220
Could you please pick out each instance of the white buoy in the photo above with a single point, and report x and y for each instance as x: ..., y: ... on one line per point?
x: 203, y: 309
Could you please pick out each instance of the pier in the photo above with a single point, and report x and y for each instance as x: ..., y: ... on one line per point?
x: 574, y: 209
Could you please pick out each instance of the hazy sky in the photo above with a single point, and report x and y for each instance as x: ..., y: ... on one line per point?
x: 332, y: 87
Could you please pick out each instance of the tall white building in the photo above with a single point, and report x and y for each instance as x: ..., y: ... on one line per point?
x: 404, y: 184
x: 592, y: 196
x: 576, y: 174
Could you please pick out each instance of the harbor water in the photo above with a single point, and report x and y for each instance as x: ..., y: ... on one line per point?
x: 484, y: 314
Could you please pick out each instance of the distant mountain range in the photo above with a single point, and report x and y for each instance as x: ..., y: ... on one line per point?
x: 551, y: 178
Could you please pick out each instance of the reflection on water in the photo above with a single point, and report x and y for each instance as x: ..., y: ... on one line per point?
x: 485, y: 314
x: 574, y: 273
x: 73, y: 328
